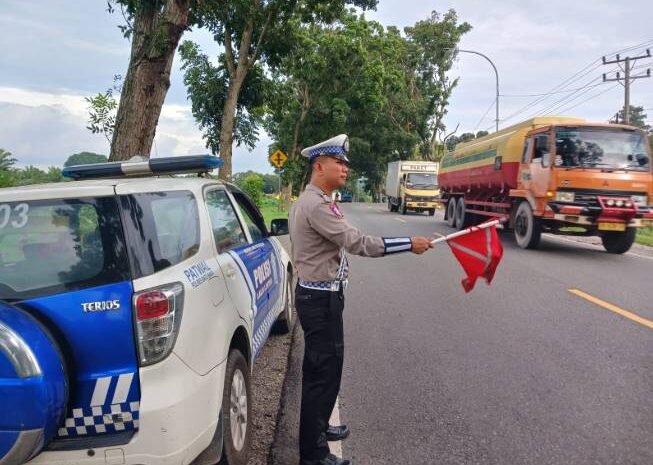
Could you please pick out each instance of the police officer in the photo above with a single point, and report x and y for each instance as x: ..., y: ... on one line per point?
x: 320, y: 237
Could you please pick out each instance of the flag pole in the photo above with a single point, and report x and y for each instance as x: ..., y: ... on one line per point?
x: 489, y: 224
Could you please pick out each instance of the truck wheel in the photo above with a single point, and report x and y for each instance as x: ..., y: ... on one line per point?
x: 236, y: 408
x: 285, y: 322
x: 431, y: 211
x: 528, y: 229
x: 618, y: 242
x: 451, y: 212
x: 463, y: 219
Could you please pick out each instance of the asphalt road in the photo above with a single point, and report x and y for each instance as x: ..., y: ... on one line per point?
x: 520, y: 372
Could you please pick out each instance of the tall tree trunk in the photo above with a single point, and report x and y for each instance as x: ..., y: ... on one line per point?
x: 148, y: 76
x: 227, y: 125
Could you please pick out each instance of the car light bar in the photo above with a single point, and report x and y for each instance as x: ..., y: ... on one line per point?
x: 140, y: 167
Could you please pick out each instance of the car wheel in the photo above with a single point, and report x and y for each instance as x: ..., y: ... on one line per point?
x: 451, y: 212
x: 431, y: 212
x: 287, y: 318
x: 618, y: 242
x: 528, y: 229
x: 236, y: 408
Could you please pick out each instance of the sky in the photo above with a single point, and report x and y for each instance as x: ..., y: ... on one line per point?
x: 55, y: 53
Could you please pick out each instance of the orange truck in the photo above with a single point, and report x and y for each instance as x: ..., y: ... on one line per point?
x: 555, y: 175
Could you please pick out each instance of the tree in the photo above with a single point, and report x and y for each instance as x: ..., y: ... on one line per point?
x: 7, y: 161
x: 270, y: 181
x: 433, y: 43
x: 252, y: 185
x: 252, y: 31
x: 155, y: 27
x: 84, y: 158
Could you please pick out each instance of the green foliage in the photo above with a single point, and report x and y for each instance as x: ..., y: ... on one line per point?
x: 637, y: 118
x: 252, y: 185
x: 102, y: 110
x: 85, y: 158
x: 208, y: 86
x: 359, y: 78
x: 6, y: 160
x: 270, y: 181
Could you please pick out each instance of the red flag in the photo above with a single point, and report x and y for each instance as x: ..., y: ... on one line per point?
x: 479, y: 252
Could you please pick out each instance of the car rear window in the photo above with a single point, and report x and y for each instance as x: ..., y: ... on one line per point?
x: 54, y: 246
x: 162, y: 229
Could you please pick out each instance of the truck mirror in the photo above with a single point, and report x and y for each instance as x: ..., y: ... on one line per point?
x: 546, y: 159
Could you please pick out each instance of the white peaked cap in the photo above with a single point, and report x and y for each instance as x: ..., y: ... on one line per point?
x: 335, y: 147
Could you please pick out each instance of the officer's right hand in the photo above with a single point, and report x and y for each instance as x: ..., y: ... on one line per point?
x: 420, y: 244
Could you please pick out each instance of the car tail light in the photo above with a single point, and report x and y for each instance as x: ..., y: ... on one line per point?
x: 158, y: 316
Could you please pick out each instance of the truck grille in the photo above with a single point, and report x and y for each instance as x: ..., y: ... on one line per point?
x: 590, y: 198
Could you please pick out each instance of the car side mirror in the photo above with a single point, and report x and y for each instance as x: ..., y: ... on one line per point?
x: 279, y: 227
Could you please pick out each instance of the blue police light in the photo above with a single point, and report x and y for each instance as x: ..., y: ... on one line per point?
x: 140, y: 167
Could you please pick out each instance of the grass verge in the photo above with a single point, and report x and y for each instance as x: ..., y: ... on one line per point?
x: 645, y: 236
x: 270, y: 210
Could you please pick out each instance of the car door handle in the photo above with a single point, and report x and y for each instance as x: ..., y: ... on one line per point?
x: 230, y: 271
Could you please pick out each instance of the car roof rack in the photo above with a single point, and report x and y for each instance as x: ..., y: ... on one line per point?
x: 139, y: 167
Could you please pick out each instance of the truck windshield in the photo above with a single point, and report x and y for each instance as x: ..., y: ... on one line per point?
x: 601, y: 148
x: 54, y: 246
x: 421, y: 181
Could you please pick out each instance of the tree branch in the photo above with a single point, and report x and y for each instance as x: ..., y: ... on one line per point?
x: 261, y: 39
x: 229, y: 52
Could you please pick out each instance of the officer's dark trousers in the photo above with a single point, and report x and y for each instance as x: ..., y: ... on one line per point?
x: 320, y: 314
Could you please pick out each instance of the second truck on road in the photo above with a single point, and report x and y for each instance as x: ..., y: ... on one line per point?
x: 412, y: 185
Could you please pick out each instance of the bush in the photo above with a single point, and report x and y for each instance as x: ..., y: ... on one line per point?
x: 252, y: 185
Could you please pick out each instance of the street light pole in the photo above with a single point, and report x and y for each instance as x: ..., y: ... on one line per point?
x: 496, y: 74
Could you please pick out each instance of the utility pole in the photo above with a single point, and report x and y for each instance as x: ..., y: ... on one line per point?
x: 627, y: 78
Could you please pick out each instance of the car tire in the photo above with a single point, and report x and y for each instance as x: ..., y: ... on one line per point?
x: 451, y: 212
x: 431, y: 211
x: 236, y: 410
x: 618, y: 242
x: 286, y: 320
x: 528, y: 228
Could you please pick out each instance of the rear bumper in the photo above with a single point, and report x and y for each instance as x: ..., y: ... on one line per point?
x: 179, y: 413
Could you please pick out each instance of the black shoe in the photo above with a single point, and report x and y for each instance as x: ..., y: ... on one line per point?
x: 328, y: 460
x: 337, y: 433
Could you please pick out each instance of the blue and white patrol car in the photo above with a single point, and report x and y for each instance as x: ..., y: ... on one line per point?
x: 132, y: 308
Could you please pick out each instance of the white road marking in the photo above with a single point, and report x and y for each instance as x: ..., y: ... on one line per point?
x: 336, y: 447
x: 399, y: 219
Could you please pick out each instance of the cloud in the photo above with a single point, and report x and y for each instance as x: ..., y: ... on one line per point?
x: 43, y: 129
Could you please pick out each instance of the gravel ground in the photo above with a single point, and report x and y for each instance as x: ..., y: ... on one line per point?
x: 269, y: 373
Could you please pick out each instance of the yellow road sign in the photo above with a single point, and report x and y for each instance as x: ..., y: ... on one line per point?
x: 278, y: 158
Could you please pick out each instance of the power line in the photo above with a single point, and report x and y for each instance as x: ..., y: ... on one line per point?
x: 560, y: 88
x: 588, y: 99
x: 485, y: 114
x: 548, y: 93
x: 628, y: 78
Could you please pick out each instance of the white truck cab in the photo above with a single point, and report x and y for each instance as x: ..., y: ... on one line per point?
x: 132, y: 308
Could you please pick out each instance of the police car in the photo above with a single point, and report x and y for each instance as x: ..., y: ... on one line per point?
x: 132, y: 308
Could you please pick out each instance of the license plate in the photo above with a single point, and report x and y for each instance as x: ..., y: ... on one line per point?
x: 612, y: 227
x: 421, y: 204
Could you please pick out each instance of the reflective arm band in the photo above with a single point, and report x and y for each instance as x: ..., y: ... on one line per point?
x: 396, y: 244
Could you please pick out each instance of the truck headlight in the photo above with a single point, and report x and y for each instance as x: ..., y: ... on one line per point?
x: 562, y: 196
x: 640, y: 200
